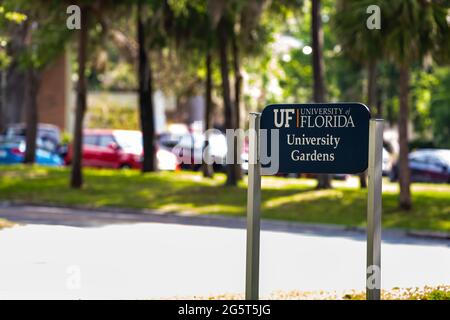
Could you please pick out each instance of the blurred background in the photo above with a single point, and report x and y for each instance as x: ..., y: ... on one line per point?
x: 104, y: 112
x: 135, y: 84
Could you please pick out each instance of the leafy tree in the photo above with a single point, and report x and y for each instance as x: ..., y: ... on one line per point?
x: 42, y: 39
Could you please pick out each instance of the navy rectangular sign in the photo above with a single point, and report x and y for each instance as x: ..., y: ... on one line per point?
x: 317, y: 137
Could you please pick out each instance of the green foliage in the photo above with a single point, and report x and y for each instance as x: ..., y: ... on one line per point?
x: 425, y: 293
x: 387, y: 81
x: 296, y: 80
x: 410, y: 30
x: 7, y: 17
x: 8, y: 14
x: 46, y: 32
x: 66, y: 137
x: 421, y: 87
x: 113, y: 116
x: 349, y: 23
x: 5, y: 59
x: 181, y: 32
x: 440, y: 108
x: 413, y: 29
x: 439, y: 295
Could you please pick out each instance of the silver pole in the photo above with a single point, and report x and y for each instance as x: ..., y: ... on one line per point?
x: 253, y: 210
x: 373, y: 271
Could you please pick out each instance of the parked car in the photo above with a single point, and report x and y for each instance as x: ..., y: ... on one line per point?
x: 119, y: 149
x: 12, y: 150
x: 427, y: 165
x: 188, y: 148
x: 44, y: 131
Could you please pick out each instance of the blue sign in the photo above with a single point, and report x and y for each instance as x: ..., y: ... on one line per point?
x: 317, y: 137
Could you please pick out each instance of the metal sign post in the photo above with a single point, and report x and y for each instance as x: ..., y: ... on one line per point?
x: 316, y: 138
x: 253, y: 210
x: 373, y: 271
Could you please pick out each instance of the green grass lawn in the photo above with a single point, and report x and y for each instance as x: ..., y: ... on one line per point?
x: 188, y: 192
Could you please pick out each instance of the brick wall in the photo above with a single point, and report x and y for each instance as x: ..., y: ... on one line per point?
x: 52, y: 96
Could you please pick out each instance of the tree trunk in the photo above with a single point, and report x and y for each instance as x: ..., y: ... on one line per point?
x: 379, y: 103
x: 31, y: 118
x: 363, y: 180
x: 13, y: 102
x: 228, y: 107
x: 80, y: 110
x: 14, y: 94
x: 371, y: 103
x: 324, y: 180
x: 2, y: 101
x: 208, y: 171
x: 237, y: 105
x: 403, y: 164
x: 372, y: 85
x: 145, y: 95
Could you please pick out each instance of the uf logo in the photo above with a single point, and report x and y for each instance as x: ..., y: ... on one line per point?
x: 282, y: 117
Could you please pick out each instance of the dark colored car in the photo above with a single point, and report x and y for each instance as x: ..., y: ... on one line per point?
x: 45, y: 131
x: 427, y: 165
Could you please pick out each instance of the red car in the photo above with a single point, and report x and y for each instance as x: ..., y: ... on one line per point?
x: 119, y: 149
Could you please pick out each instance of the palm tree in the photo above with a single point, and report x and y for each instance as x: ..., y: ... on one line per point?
x: 360, y: 44
x: 412, y: 30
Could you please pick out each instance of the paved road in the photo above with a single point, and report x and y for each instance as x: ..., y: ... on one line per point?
x: 81, y: 254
